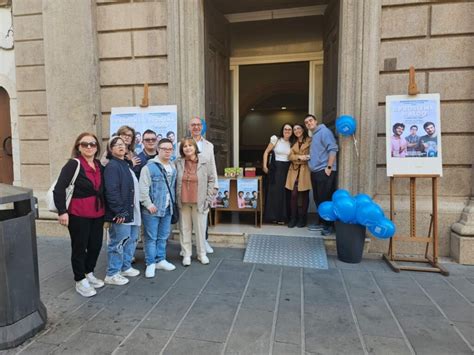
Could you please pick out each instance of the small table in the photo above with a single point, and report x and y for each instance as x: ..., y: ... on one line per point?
x: 233, y: 205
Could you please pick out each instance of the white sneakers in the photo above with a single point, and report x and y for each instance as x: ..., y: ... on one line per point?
x: 84, y: 288
x: 203, y: 259
x: 116, y: 279
x: 94, y: 281
x: 186, y: 261
x: 150, y: 271
x: 130, y: 272
x: 164, y: 265
x: 208, y: 247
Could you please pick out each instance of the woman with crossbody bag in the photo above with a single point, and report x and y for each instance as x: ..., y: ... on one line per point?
x: 84, y: 217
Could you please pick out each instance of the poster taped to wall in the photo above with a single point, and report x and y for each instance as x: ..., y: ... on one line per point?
x: 247, y: 193
x: 221, y: 200
x: 161, y: 119
x: 413, y: 129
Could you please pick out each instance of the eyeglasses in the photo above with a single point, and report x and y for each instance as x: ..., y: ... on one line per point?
x: 166, y: 149
x: 126, y: 135
x: 88, y: 144
x: 149, y: 140
x: 120, y: 145
x: 196, y: 125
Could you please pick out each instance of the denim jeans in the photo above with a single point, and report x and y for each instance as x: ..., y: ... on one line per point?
x: 157, y: 230
x: 121, y: 248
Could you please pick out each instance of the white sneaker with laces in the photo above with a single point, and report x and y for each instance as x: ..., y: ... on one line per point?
x: 186, y: 261
x: 204, y: 260
x: 208, y: 247
x: 150, y: 271
x: 116, y: 279
x: 84, y: 288
x: 130, y: 272
x: 94, y: 281
x: 164, y: 265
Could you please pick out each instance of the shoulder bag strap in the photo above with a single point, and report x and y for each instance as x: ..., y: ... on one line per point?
x: 76, y: 173
x: 166, y: 181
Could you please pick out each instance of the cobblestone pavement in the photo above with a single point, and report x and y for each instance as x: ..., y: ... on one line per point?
x: 235, y: 308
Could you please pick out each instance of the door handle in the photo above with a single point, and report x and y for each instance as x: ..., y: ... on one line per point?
x: 4, y: 145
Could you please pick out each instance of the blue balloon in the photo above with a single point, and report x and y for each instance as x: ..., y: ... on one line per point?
x: 379, y: 208
x: 326, y: 211
x: 362, y: 198
x: 340, y: 193
x: 204, y: 126
x: 369, y: 214
x: 345, y: 209
x: 346, y: 125
x: 383, y: 229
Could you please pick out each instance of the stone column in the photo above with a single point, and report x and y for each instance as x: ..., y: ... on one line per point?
x: 186, y: 59
x: 71, y: 75
x: 462, y: 232
x: 359, y: 36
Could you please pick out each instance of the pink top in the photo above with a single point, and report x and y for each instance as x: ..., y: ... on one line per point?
x: 399, y: 146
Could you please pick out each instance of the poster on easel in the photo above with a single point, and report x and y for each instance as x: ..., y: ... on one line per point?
x: 163, y: 120
x: 413, y: 131
x: 221, y: 199
x: 247, y: 193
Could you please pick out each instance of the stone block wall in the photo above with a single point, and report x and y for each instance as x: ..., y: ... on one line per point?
x: 132, y: 41
x: 438, y: 40
x: 31, y: 89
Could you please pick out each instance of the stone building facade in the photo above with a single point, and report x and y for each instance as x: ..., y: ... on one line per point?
x: 77, y: 59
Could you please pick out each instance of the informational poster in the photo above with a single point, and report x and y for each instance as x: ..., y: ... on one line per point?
x: 221, y: 199
x: 413, y: 129
x: 247, y: 193
x: 163, y: 120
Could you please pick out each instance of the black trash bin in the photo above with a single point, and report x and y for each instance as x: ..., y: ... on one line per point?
x: 22, y: 314
x: 350, y: 239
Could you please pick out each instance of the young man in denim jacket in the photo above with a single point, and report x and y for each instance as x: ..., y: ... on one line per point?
x: 157, y: 206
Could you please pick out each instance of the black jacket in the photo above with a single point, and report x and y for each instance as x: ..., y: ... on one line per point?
x: 83, y: 187
x: 119, y: 190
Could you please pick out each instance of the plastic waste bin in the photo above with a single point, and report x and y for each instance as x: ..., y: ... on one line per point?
x: 350, y: 239
x: 22, y: 314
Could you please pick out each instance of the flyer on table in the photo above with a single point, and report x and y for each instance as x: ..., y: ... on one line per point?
x: 413, y: 128
x: 221, y: 199
x: 247, y: 193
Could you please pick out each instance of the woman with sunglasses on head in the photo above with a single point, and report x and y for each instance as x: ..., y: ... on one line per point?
x: 85, y: 215
x: 127, y: 134
x: 277, y: 197
x: 298, y: 180
x: 122, y: 195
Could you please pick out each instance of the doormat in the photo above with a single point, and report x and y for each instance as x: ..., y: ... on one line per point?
x: 286, y: 251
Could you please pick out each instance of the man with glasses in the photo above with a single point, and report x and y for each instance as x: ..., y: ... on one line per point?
x: 149, y: 150
x: 157, y: 181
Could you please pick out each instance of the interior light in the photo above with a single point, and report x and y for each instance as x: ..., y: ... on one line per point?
x: 252, y: 109
x: 283, y: 107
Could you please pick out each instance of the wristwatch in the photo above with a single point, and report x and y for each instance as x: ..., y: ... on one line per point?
x: 329, y: 167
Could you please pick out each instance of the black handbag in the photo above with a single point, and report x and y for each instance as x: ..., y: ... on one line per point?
x: 175, y: 216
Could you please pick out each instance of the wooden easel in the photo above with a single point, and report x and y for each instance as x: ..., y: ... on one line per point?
x: 432, y: 238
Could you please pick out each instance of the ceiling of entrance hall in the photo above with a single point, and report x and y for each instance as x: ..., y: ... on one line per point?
x: 237, y: 6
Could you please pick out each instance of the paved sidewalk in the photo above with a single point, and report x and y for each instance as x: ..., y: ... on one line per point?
x: 235, y: 308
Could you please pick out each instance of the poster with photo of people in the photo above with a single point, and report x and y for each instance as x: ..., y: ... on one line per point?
x: 221, y: 199
x: 413, y: 134
x: 247, y: 193
x: 161, y: 119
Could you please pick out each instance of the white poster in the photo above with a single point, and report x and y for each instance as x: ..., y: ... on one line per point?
x: 161, y: 119
x: 413, y: 129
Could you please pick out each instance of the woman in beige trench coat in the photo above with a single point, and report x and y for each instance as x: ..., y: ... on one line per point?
x: 298, y: 180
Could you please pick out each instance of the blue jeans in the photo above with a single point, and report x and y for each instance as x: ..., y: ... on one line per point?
x: 157, y: 230
x: 121, y: 248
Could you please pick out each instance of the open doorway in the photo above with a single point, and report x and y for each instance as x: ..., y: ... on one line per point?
x: 269, y: 96
x: 6, y: 156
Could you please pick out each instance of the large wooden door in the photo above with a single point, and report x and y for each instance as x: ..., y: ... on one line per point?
x: 6, y: 158
x: 330, y: 71
x: 218, y: 117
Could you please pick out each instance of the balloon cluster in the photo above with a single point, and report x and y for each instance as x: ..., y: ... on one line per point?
x: 346, y: 125
x: 360, y: 209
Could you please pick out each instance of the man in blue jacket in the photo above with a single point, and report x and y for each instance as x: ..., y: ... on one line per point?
x: 322, y: 164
